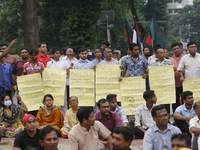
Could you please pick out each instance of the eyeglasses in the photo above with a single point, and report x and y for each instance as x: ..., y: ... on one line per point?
x: 104, y: 107
x: 163, y: 116
x: 73, y: 101
x: 48, y: 100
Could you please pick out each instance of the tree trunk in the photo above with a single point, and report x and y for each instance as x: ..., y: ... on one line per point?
x: 30, y: 24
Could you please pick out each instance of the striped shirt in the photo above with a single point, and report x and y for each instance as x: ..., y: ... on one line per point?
x: 29, y: 69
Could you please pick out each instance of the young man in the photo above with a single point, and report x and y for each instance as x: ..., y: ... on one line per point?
x: 18, y: 67
x: 109, y: 119
x: 56, y: 62
x: 3, y: 53
x: 83, y: 63
x: 175, y: 60
x: 108, y: 60
x: 189, y: 63
x: 112, y: 99
x: 143, y: 118
x: 7, y: 73
x: 122, y: 138
x: 180, y: 141
x: 158, y: 136
x: 42, y: 56
x: 97, y: 54
x: 185, y: 112
x: 85, y: 135
x: 8, y: 58
x: 104, y: 44
x: 33, y: 66
x: 146, y: 52
x: 49, y: 138
x: 134, y: 65
x: 29, y: 138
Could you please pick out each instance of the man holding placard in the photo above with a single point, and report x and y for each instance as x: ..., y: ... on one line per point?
x: 190, y: 63
x: 134, y: 65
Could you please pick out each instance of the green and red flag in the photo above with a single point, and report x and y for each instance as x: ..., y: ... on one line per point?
x: 128, y: 31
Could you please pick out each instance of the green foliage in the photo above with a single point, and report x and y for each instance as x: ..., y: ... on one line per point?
x: 10, y: 22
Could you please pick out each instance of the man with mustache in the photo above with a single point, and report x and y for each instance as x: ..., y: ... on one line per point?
x: 49, y: 138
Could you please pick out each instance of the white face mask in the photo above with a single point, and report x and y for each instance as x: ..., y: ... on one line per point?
x: 7, y: 103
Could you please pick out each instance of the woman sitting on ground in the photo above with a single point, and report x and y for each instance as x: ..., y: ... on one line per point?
x: 49, y: 115
x: 70, y: 117
x: 11, y: 116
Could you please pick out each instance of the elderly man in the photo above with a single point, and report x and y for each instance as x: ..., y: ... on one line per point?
x: 108, y: 57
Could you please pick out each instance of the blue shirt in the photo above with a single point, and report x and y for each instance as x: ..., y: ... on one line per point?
x: 184, y: 112
x: 154, y: 62
x: 96, y: 62
x: 134, y: 69
x: 155, y: 139
x: 7, y: 70
x: 86, y: 64
x: 2, y: 78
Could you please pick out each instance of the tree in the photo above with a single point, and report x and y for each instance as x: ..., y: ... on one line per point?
x: 30, y: 24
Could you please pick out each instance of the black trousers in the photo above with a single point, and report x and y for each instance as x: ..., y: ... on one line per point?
x: 182, y: 125
x: 179, y: 91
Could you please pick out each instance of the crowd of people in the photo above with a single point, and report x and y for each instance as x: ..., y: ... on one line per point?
x: 104, y: 126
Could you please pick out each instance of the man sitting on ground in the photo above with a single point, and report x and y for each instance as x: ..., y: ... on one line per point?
x: 122, y: 138
x: 143, y: 118
x: 29, y: 138
x: 112, y: 99
x: 85, y: 135
x: 185, y: 112
x: 49, y: 138
x: 158, y: 136
x: 180, y: 141
x: 108, y: 118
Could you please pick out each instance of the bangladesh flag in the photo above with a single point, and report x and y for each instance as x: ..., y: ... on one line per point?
x: 129, y: 32
x: 156, y: 33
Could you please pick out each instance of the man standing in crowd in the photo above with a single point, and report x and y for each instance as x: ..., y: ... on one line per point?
x: 8, y: 58
x: 146, y: 52
x: 109, y: 119
x: 189, y: 63
x: 134, y: 65
x: 49, y: 138
x: 175, y: 60
x: 3, y: 53
x: 122, y: 138
x: 85, y: 135
x: 97, y: 54
x: 180, y: 141
x: 143, y: 118
x: 112, y: 99
x: 7, y: 73
x: 108, y: 60
x: 104, y: 44
x: 83, y: 63
x: 29, y: 138
x: 184, y: 113
x: 160, y: 58
x: 158, y: 136
x: 33, y: 66
x: 18, y: 67
x: 42, y: 56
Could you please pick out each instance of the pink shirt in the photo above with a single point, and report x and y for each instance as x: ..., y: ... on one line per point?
x: 175, y: 61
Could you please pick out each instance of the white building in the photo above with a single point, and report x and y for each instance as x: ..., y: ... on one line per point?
x: 175, y: 5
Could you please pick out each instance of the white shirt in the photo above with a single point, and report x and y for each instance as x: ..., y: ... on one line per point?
x: 143, y: 117
x: 68, y: 62
x: 190, y: 65
x: 57, y: 64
